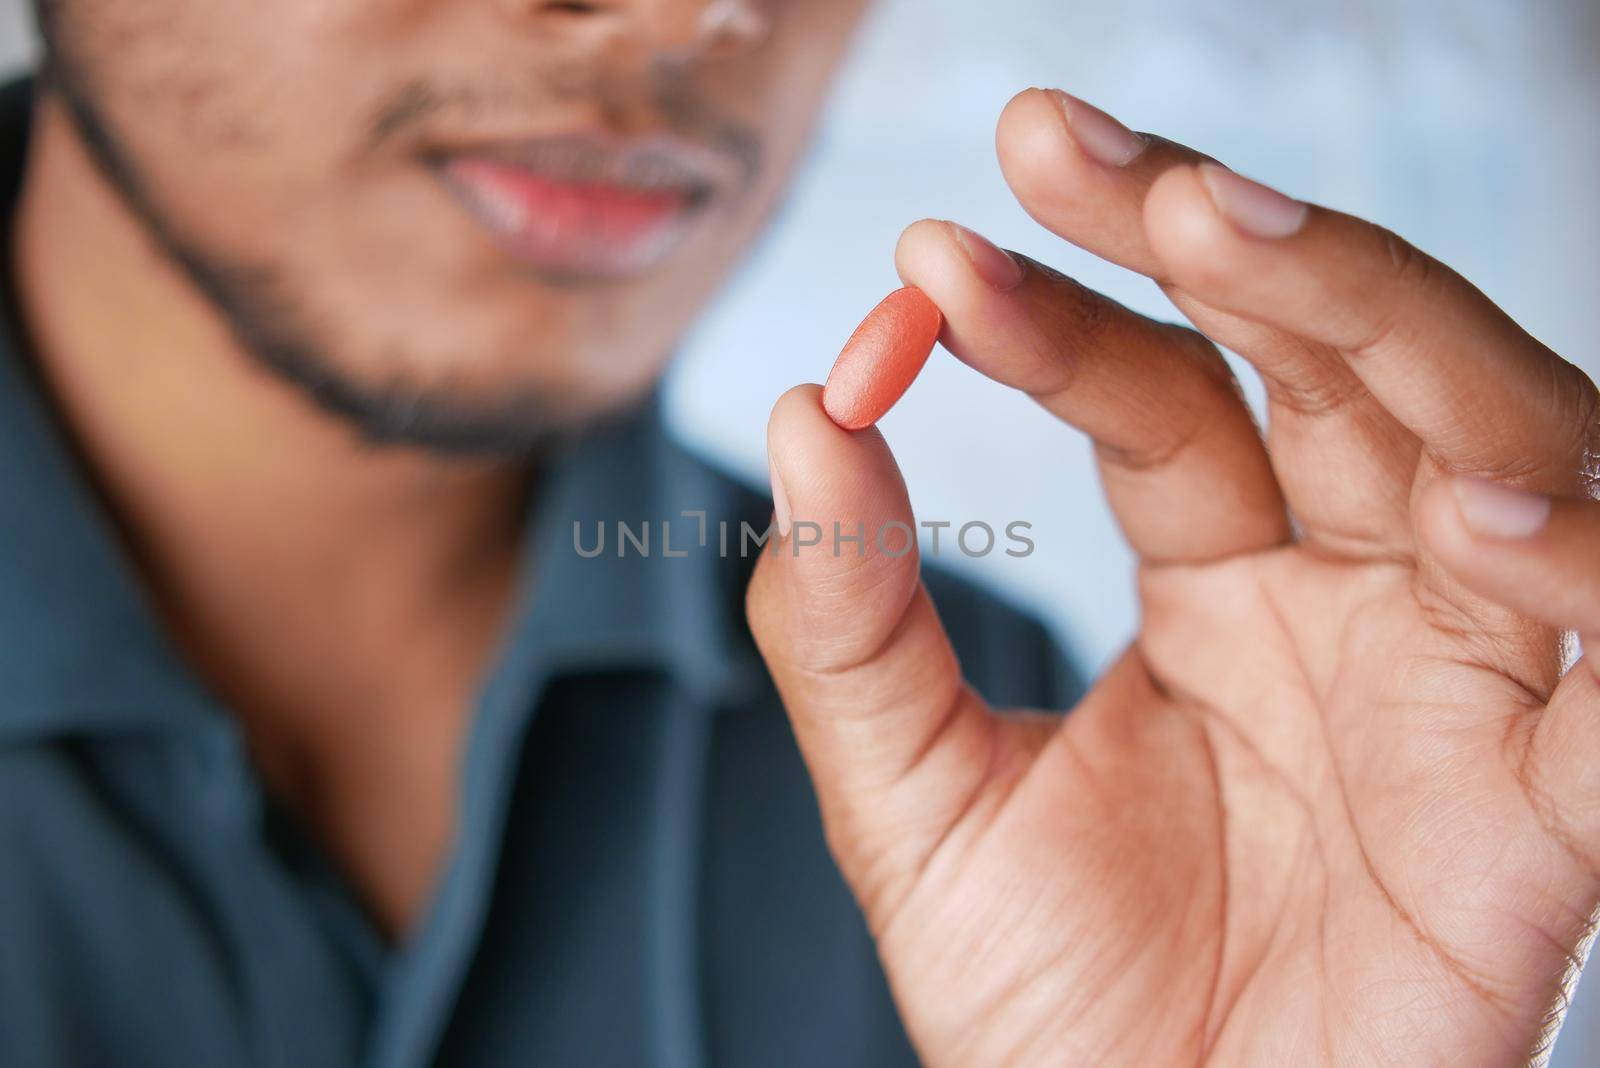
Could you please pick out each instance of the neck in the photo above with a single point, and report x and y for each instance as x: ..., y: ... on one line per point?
x: 290, y: 561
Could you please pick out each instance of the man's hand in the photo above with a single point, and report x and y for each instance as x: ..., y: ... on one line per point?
x: 1338, y: 803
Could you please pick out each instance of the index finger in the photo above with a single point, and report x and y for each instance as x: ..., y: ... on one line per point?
x: 1180, y: 457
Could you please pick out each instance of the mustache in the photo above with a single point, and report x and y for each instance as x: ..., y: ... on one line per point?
x: 423, y: 104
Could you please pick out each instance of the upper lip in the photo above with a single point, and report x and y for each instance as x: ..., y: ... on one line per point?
x: 657, y: 162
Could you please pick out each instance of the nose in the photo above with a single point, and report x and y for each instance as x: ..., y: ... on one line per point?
x: 689, y: 28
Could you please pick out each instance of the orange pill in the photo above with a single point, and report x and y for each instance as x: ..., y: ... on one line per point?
x: 882, y: 359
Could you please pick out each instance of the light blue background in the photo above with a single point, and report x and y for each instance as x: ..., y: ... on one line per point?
x: 1469, y: 126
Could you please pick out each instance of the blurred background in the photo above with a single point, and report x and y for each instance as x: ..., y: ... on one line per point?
x: 1470, y: 126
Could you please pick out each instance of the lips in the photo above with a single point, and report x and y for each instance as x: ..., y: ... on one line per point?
x: 582, y: 207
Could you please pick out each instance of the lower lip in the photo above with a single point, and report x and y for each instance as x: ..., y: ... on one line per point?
x: 571, y: 229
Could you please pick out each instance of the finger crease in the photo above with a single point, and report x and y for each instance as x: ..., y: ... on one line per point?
x: 1150, y: 458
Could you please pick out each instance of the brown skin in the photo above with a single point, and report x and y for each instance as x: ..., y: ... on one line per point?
x: 1338, y: 804
x: 344, y: 599
x: 1335, y: 806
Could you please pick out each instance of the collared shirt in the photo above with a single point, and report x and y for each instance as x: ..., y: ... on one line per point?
x: 639, y: 875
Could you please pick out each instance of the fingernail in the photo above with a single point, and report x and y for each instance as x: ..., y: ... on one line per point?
x: 994, y: 265
x: 1100, y: 136
x: 1494, y: 511
x: 780, y: 500
x: 1258, y: 210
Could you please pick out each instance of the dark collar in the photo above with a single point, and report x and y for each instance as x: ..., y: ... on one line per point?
x: 81, y: 651
x: 664, y: 594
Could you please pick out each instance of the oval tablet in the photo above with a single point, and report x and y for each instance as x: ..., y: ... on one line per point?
x: 882, y: 359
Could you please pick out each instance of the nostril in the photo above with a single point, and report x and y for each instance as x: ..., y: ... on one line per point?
x: 710, y: 27
x: 732, y: 25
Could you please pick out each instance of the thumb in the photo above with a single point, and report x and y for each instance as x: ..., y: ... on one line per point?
x: 898, y: 747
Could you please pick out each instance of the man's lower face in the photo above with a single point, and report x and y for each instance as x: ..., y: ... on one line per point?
x: 464, y: 223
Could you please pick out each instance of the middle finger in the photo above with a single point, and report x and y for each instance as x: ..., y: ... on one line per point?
x: 1345, y: 464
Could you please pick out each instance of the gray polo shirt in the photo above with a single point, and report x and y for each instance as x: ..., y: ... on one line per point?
x: 639, y: 877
